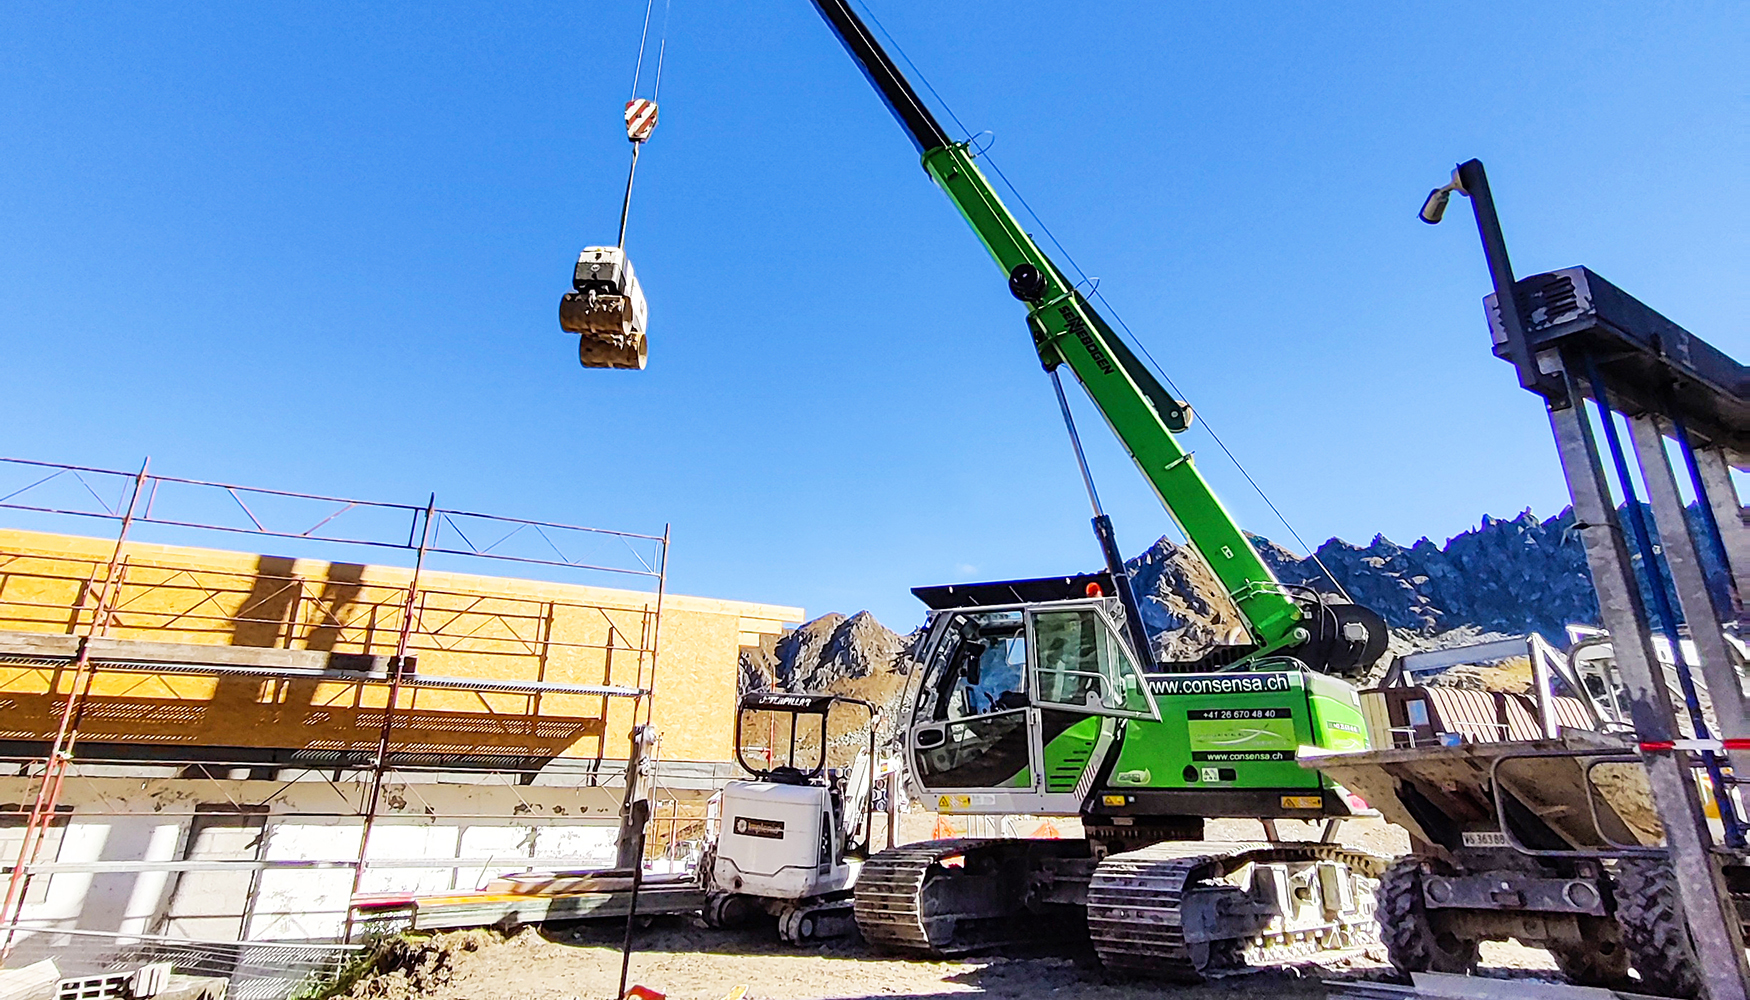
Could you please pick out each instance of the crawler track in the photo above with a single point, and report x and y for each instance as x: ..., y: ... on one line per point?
x: 1165, y: 912
x: 1182, y: 910
x: 908, y: 900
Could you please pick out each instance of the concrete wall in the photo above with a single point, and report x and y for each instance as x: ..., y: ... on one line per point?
x: 487, y: 829
x: 464, y: 625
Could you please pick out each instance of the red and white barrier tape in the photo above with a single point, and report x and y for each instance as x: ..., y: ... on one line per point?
x: 1650, y: 746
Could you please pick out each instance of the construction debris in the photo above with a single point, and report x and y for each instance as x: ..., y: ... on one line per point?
x: 533, y: 898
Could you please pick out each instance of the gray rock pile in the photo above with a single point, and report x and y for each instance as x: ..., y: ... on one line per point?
x: 825, y: 654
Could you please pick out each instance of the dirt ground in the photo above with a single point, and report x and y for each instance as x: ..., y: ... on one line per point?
x: 687, y: 961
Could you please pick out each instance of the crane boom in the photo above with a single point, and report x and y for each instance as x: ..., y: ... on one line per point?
x: 1067, y: 330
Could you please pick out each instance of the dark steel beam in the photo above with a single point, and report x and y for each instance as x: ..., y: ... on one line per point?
x: 1683, y: 558
x: 1713, y: 920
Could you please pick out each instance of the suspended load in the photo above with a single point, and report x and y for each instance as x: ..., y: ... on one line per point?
x: 606, y: 309
x: 605, y: 306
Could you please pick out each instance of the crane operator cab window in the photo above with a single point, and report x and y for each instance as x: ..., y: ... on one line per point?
x: 988, y: 671
x: 970, y: 724
x: 1084, y: 665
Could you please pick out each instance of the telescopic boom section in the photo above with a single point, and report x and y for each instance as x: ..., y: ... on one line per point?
x: 1067, y: 330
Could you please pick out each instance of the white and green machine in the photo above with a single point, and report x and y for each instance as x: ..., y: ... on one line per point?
x: 1042, y: 697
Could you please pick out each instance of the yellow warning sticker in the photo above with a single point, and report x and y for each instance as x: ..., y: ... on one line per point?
x: 1303, y: 801
x: 1111, y: 800
x: 946, y: 803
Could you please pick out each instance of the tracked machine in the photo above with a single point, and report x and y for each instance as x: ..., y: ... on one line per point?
x: 1043, y: 697
x: 792, y: 835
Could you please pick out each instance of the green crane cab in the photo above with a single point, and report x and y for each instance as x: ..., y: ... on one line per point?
x: 1029, y: 698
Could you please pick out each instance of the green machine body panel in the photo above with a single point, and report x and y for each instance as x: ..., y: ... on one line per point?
x: 1237, y: 729
x: 1068, y: 754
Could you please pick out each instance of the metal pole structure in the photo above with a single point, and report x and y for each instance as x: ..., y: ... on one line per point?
x: 60, y: 754
x: 1556, y: 376
x: 634, y: 819
x: 379, y: 766
x: 1108, y: 538
x: 1715, y: 475
x: 1655, y: 576
x: 1683, y: 557
x: 1732, y: 605
x: 656, y: 629
x: 1475, y: 184
x: 892, y: 809
x: 1712, y: 918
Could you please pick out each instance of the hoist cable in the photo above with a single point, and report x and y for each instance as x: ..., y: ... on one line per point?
x: 1095, y: 292
x: 643, y: 35
x: 661, y: 50
x: 637, y: 75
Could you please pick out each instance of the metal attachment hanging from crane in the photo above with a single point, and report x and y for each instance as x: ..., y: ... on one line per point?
x: 606, y: 309
x: 606, y: 306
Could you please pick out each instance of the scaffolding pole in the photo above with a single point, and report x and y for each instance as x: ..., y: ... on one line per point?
x: 60, y: 753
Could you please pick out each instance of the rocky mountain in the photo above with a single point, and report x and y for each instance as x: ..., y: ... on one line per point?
x: 855, y: 656
x: 1513, y: 576
x: 1506, y: 576
x: 825, y: 654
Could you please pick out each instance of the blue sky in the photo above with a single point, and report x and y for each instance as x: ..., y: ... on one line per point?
x: 319, y: 246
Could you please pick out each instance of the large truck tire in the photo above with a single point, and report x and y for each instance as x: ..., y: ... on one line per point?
x: 1601, y: 958
x: 1411, y: 942
x: 1651, y: 915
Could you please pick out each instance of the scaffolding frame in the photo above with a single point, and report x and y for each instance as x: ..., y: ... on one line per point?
x: 141, y: 498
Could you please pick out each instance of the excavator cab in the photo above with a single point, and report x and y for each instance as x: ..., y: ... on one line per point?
x: 1029, y: 699
x: 606, y: 309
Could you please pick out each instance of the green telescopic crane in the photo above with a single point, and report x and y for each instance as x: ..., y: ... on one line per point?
x: 1067, y: 330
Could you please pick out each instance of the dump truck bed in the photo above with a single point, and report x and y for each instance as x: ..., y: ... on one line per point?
x: 1429, y: 790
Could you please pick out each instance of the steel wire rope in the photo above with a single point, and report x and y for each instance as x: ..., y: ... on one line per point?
x: 643, y: 36
x: 1094, y: 290
x: 661, y: 49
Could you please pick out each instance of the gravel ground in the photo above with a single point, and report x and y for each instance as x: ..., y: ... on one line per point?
x: 687, y: 961
x: 691, y: 963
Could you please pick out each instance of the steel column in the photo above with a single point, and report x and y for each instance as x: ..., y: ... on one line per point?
x: 1722, y: 496
x: 1712, y: 919
x: 1683, y: 557
x: 397, y: 669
